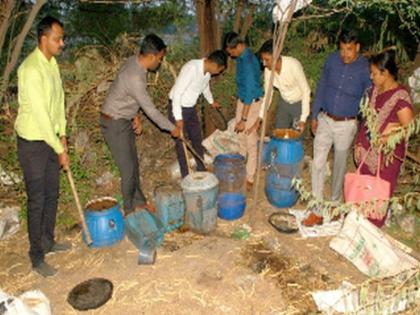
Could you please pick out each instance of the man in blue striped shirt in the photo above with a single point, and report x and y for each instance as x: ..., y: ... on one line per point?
x: 344, y: 79
x: 249, y: 93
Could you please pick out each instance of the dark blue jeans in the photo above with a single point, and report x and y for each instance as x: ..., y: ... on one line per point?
x: 41, y: 172
x: 192, y: 129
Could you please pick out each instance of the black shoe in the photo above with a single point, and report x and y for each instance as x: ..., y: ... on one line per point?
x: 45, y: 270
x: 58, y: 247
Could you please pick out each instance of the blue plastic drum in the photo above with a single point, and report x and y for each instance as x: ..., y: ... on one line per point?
x: 231, y: 206
x: 200, y: 194
x: 170, y: 207
x: 104, y: 221
x: 231, y: 173
x: 286, y: 155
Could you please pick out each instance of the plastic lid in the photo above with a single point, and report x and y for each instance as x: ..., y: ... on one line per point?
x: 229, y: 158
x: 199, y: 181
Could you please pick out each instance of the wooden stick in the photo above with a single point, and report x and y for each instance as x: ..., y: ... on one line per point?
x: 189, y: 146
x: 186, y: 153
x: 279, y: 35
x: 79, y: 208
x: 413, y: 157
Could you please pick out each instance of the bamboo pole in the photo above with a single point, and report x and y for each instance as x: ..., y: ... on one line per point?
x: 79, y: 207
x: 186, y: 153
x: 279, y: 36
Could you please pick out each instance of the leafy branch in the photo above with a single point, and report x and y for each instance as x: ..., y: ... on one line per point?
x: 377, y: 140
x: 331, y: 209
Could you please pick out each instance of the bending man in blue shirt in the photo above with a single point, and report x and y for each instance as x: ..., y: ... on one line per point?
x: 248, y: 107
x: 344, y: 79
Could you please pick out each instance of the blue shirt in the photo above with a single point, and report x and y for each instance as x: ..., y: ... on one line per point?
x: 341, y: 86
x: 248, y: 77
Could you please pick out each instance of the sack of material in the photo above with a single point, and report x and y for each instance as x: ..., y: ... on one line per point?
x: 9, y: 221
x: 374, y: 190
x: 222, y: 142
x: 29, y: 303
x: 372, y: 251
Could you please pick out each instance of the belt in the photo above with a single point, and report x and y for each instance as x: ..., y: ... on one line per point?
x: 337, y: 118
x: 255, y: 100
x: 106, y: 116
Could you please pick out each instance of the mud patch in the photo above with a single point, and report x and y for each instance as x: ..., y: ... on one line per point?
x: 295, y: 281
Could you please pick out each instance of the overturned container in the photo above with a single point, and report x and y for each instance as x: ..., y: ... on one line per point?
x: 146, y: 233
x: 200, y: 194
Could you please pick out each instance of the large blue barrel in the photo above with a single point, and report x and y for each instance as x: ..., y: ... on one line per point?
x: 200, y: 196
x: 104, y: 221
x: 286, y: 155
x: 170, y: 206
x: 231, y: 173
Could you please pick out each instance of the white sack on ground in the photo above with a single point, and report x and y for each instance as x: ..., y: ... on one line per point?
x: 342, y: 300
x: 221, y: 142
x: 373, y: 252
x: 29, y: 303
x: 9, y: 221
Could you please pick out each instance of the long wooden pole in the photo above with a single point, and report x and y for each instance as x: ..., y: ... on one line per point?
x: 79, y: 208
x: 279, y: 35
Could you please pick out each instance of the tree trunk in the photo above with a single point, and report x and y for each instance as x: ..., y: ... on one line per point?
x: 207, y: 26
x: 209, y: 41
x: 18, y: 47
x: 417, y: 59
x: 248, y: 21
x: 238, y: 14
x: 6, y: 11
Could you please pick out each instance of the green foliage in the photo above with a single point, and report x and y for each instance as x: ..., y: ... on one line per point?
x: 330, y: 209
x: 399, y: 134
x: 381, y: 23
x: 90, y: 23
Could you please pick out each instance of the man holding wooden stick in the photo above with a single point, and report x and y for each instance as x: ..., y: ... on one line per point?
x: 120, y: 120
x: 41, y: 140
x: 249, y: 100
x: 192, y: 81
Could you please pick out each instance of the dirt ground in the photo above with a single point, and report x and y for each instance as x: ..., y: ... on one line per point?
x: 193, y: 274
x: 268, y: 273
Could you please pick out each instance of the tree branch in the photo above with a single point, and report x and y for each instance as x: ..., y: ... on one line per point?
x: 18, y: 47
x: 237, y: 20
x: 7, y: 11
x: 248, y: 21
x: 323, y: 15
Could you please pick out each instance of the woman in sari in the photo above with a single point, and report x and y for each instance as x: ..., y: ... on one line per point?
x: 394, y: 109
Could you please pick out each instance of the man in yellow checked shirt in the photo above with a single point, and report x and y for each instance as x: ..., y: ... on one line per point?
x: 41, y: 140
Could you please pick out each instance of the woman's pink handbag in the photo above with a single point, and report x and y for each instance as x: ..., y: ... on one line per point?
x: 360, y: 188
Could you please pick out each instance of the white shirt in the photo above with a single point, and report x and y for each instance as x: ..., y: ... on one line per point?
x: 190, y: 83
x: 292, y: 84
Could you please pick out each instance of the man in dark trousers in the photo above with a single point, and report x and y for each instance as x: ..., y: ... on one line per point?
x: 192, y: 81
x: 41, y: 140
x: 120, y: 121
x: 344, y: 79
